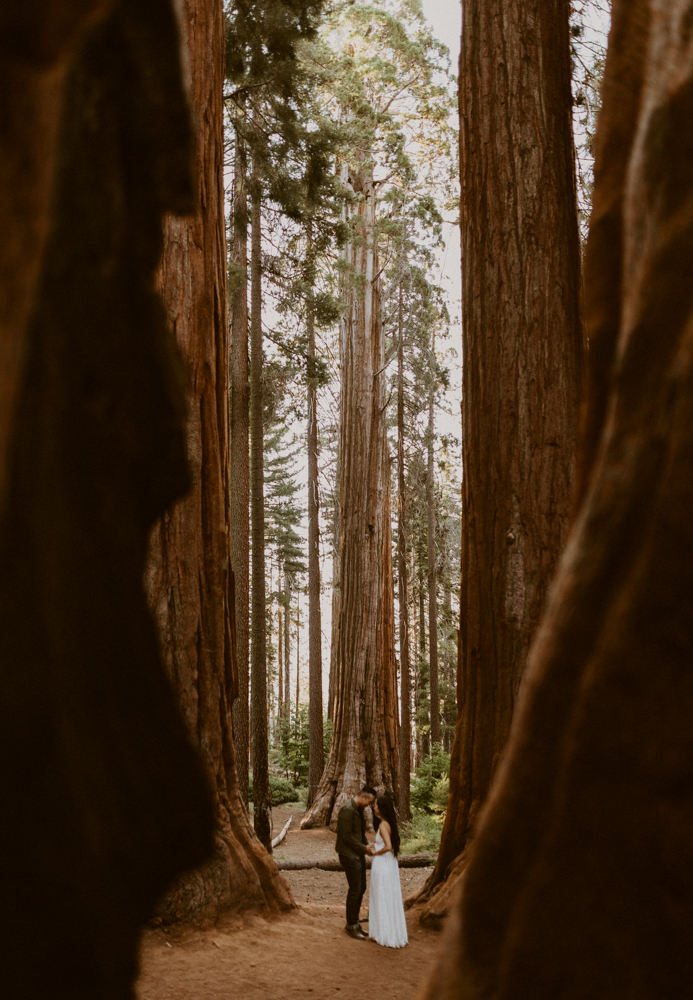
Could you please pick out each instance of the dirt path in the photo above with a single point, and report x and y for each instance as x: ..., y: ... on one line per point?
x: 306, y: 953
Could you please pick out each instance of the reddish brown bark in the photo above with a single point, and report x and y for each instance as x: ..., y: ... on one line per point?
x: 432, y: 555
x: 579, y: 883
x: 522, y: 345
x: 365, y: 646
x: 240, y: 462
x: 104, y: 800
x: 190, y: 580
x: 262, y: 797
x: 316, y: 755
x: 402, y: 592
x: 35, y: 47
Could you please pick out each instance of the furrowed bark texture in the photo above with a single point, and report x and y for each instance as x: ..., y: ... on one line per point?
x: 579, y: 883
x: 316, y: 754
x: 262, y: 797
x: 432, y: 556
x: 287, y: 647
x: 189, y: 579
x: 104, y: 800
x: 240, y: 463
x: 522, y: 344
x: 365, y: 649
x: 403, y: 598
x: 34, y: 56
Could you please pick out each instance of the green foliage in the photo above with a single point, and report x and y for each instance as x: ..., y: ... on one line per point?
x: 430, y: 786
x: 282, y: 790
x: 422, y: 834
x: 290, y: 755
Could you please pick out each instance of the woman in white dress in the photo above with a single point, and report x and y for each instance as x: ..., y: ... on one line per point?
x: 386, y: 923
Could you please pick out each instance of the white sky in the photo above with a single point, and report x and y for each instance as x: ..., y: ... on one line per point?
x: 445, y: 18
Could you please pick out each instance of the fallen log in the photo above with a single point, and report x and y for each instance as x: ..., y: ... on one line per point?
x: 405, y: 861
x: 278, y: 840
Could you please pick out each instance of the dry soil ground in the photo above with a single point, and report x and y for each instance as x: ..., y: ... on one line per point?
x: 305, y: 953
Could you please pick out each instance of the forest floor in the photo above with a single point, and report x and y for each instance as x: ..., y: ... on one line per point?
x: 305, y: 953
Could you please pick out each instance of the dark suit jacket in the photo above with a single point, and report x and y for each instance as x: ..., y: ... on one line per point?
x: 351, y: 831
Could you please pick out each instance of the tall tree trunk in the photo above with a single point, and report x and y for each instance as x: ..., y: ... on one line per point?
x: 363, y: 652
x: 431, y: 548
x: 423, y: 686
x: 298, y: 654
x: 316, y: 752
x: 189, y: 579
x: 287, y: 646
x: 262, y: 801
x: 521, y: 279
x: 103, y: 799
x: 280, y: 664
x: 387, y: 674
x: 405, y: 695
x: 579, y: 883
x: 334, y: 631
x: 240, y: 495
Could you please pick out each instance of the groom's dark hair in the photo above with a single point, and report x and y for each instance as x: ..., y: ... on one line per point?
x: 367, y: 790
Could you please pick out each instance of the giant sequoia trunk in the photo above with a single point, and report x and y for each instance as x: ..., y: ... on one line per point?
x: 34, y: 56
x: 431, y: 553
x: 190, y: 581
x: 262, y: 799
x: 522, y: 345
x: 362, y: 743
x: 579, y: 882
x: 402, y: 589
x: 240, y: 460
x: 103, y: 797
x: 316, y: 752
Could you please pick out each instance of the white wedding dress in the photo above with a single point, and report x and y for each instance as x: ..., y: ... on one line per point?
x: 386, y: 923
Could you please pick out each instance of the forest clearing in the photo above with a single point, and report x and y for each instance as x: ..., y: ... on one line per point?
x: 309, y: 946
x: 346, y: 470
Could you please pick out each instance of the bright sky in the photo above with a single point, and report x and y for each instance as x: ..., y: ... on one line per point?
x: 445, y: 18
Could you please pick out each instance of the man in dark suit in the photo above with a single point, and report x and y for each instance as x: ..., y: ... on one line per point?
x: 352, y: 848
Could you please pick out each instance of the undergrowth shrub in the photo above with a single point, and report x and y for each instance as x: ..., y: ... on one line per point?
x: 421, y: 835
x: 282, y: 790
x: 429, y: 792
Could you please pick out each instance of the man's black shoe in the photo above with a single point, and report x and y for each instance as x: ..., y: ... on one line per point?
x: 356, y: 932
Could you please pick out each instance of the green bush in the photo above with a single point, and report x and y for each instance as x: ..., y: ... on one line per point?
x: 425, y: 784
x: 290, y: 754
x: 441, y: 792
x: 422, y: 834
x: 282, y: 790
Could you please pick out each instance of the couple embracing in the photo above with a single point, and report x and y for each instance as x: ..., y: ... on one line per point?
x: 386, y: 921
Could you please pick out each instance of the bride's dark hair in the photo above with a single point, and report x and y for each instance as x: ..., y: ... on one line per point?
x: 387, y: 812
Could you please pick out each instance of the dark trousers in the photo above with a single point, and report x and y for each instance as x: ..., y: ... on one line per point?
x: 355, y: 869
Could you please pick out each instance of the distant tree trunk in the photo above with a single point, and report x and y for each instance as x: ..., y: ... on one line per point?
x: 521, y: 385
x: 334, y: 669
x: 387, y: 672
x: 189, y: 579
x: 280, y: 663
x: 423, y: 688
x: 262, y: 802
x: 298, y: 655
x: 316, y: 753
x: 240, y: 494
x: 431, y: 548
x: 287, y: 646
x: 405, y: 695
x: 356, y: 755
